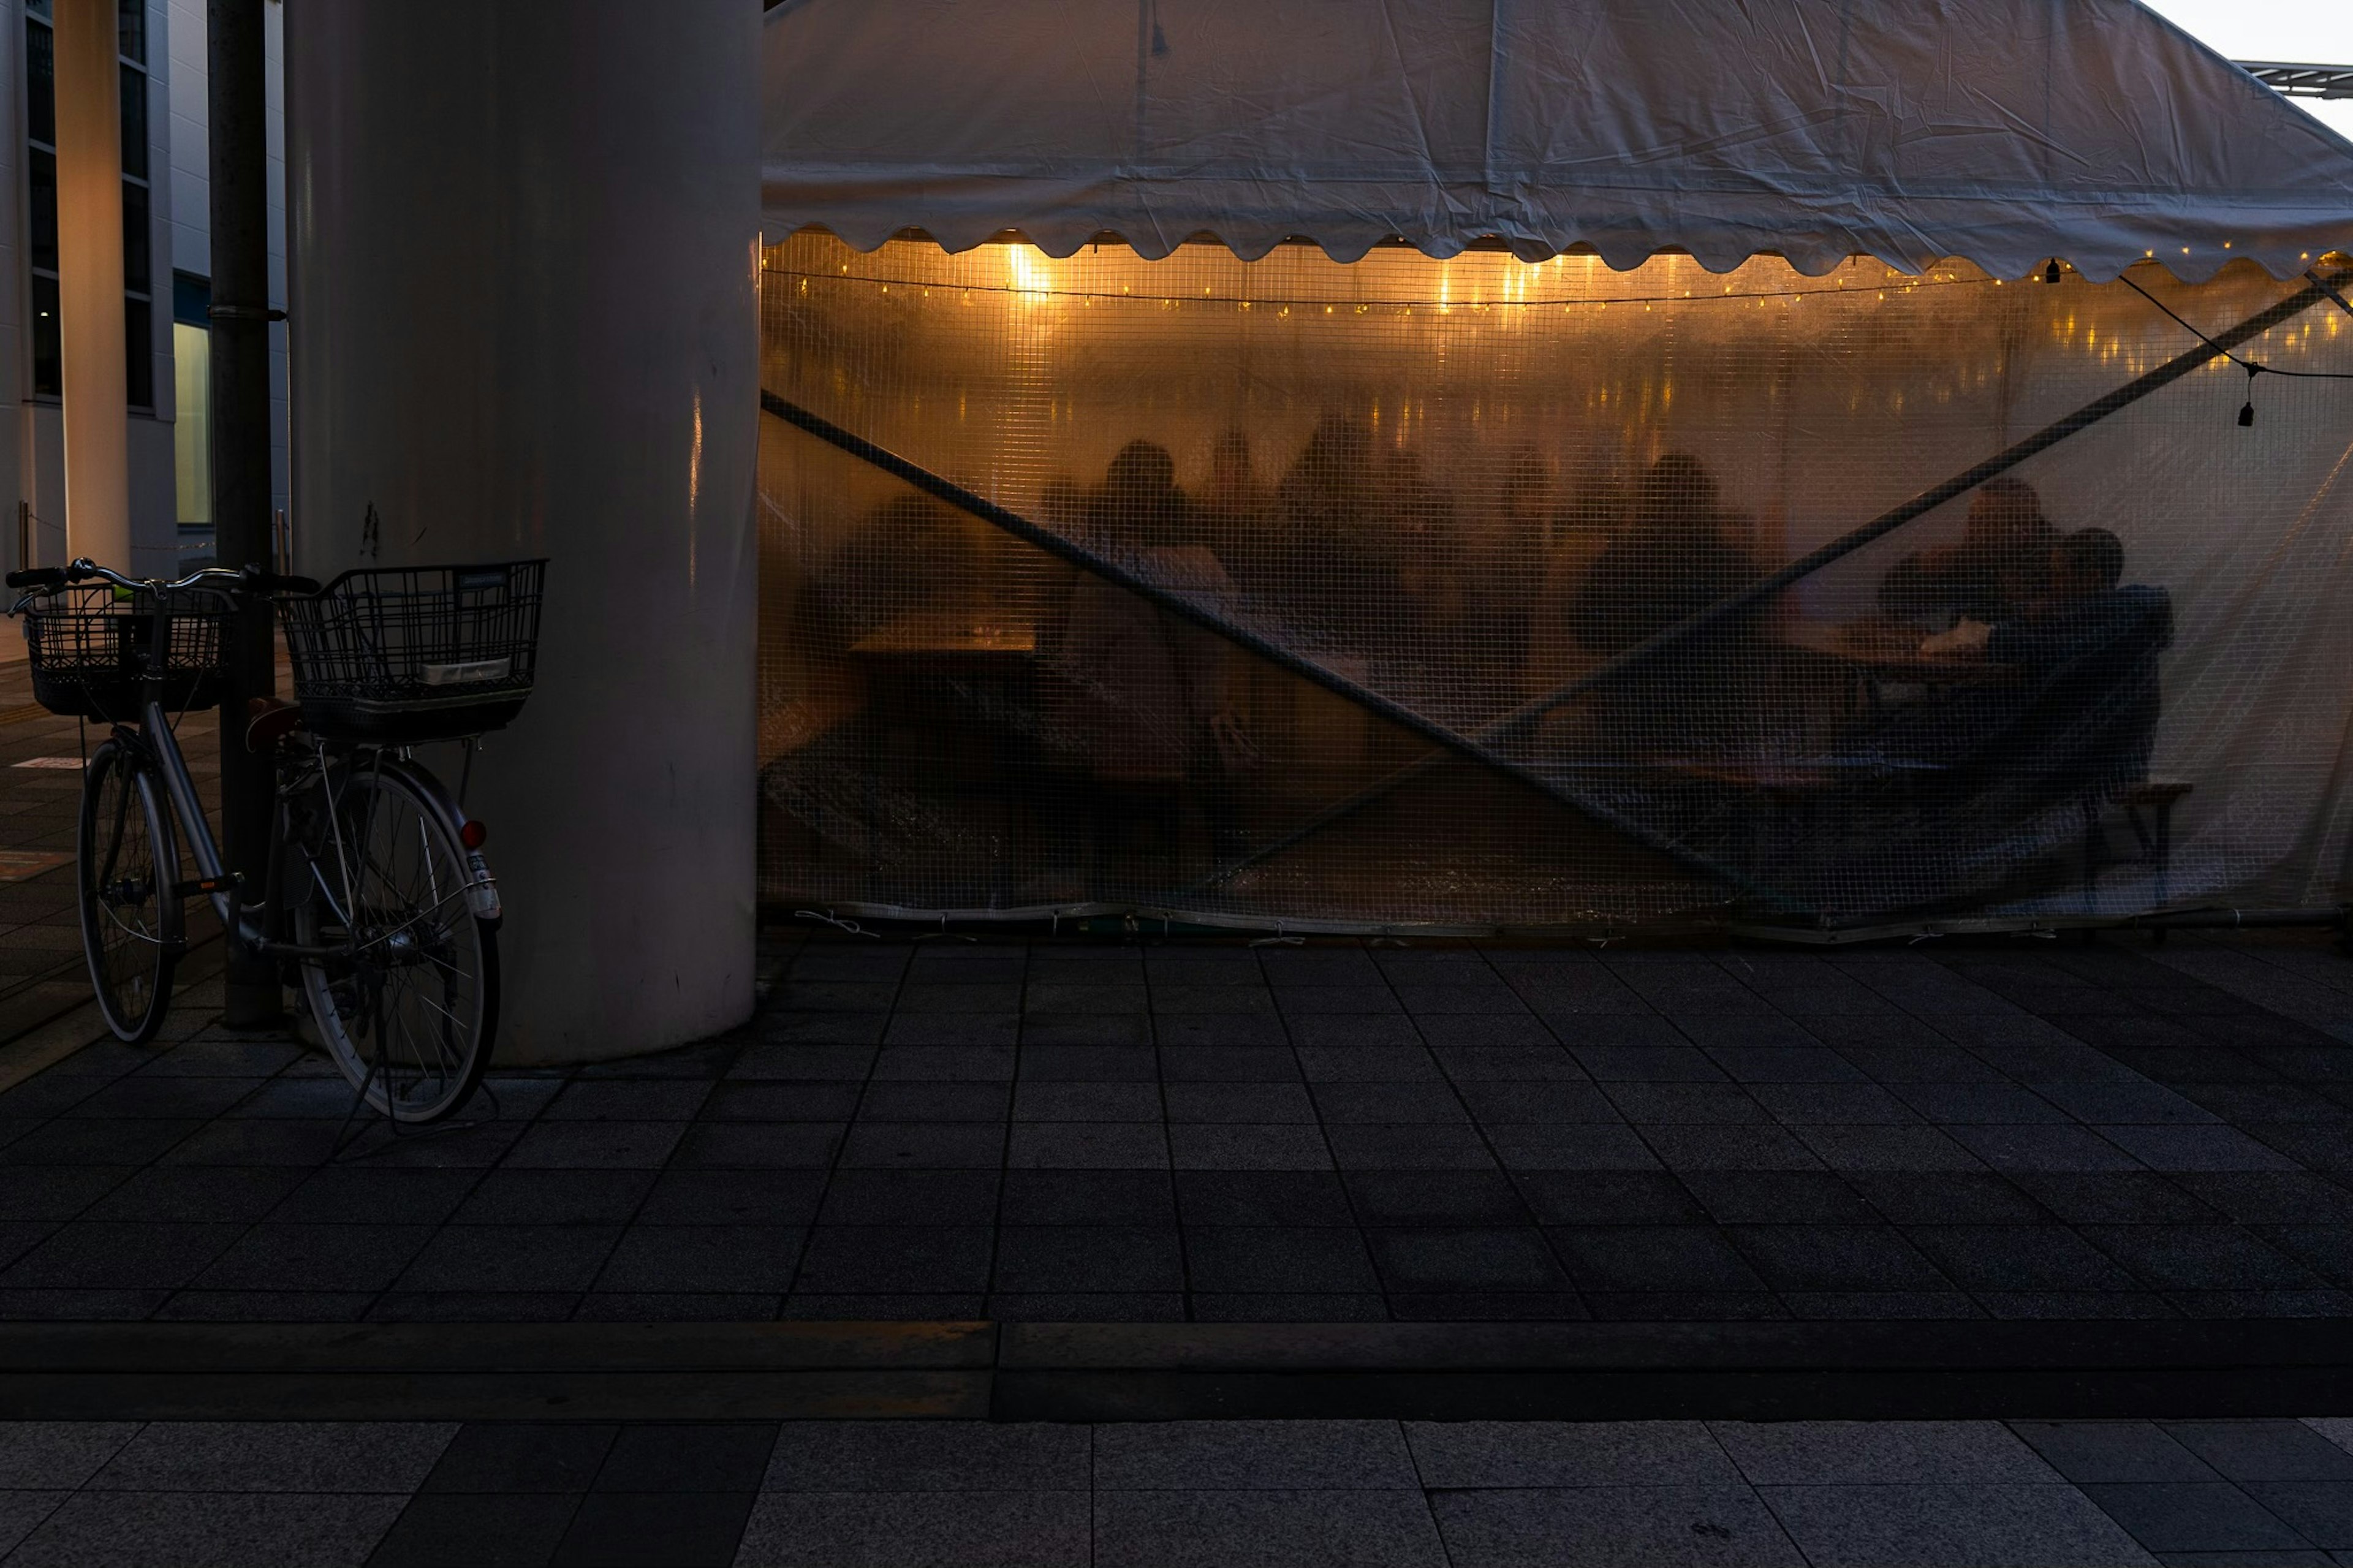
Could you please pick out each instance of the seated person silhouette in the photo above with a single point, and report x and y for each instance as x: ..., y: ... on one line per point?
x: 2078, y: 713
x: 1677, y: 557
x: 1993, y: 570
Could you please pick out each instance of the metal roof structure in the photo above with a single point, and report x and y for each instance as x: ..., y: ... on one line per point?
x: 2302, y: 80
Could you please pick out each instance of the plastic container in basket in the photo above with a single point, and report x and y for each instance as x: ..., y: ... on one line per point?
x: 89, y: 648
x: 395, y: 655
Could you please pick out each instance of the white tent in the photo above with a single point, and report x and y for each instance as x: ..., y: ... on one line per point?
x: 1509, y: 557
x: 1999, y: 131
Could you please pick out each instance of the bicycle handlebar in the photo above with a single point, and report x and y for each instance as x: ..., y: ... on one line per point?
x: 250, y: 579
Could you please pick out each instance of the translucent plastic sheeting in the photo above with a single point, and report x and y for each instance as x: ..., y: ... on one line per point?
x: 2112, y: 681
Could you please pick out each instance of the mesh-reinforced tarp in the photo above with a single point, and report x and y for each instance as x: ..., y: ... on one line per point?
x: 1393, y: 507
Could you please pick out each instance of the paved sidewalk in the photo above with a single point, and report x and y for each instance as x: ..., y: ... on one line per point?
x: 953, y: 1129
x: 1365, y: 1494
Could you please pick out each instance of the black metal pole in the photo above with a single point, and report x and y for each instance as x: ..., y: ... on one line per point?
x: 238, y: 122
x: 1240, y: 636
x: 1507, y: 724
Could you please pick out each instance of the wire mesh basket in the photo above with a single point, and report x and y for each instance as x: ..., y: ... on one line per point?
x: 91, y: 648
x: 399, y: 655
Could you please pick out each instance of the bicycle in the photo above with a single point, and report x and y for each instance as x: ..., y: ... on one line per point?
x: 377, y: 902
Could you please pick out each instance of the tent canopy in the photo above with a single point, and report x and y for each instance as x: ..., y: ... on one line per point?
x: 1999, y: 132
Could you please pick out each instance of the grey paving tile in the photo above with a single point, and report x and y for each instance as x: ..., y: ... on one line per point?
x: 21, y: 1510
x: 58, y: 1192
x: 510, y: 1458
x: 527, y: 1197
x: 2321, y: 1511
x: 392, y: 1456
x: 1277, y: 1259
x: 764, y: 1100
x: 1590, y: 1147
x: 673, y: 1529
x: 1078, y: 1198
x: 2198, y: 1258
x: 1037, y: 1100
x: 629, y: 1100
x: 910, y: 1197
x: 1411, y: 1147
x: 2053, y: 1147
x: 758, y: 1145
x: 2247, y: 1451
x: 908, y: 1456
x: 487, y: 1257
x: 94, y: 1254
x: 1925, y: 1525
x: 703, y: 1258
x: 2120, y: 1451
x: 2338, y: 1429
x: 870, y: 1530
x: 2176, y: 1516
x: 2019, y: 1258
x: 1623, y: 1526
x: 1087, y: 1259
x: 733, y: 1197
x: 345, y: 1194
x: 926, y: 1101
x: 165, y: 1529
x: 273, y: 1257
x: 1435, y: 1197
x: 1887, y: 1148
x: 1652, y: 1258
x: 1465, y: 1259
x: 1827, y: 1258
x: 1275, y: 1529
x: 1451, y: 1454
x: 2179, y: 1148
x: 1278, y: 1146
x: 1811, y: 1453
x: 1261, y: 1197
x: 860, y: 1259
x: 1688, y: 1148
x: 688, y: 1459
x: 595, y: 1145
x: 924, y: 1146
x: 1088, y: 1145
x: 1778, y: 1197
x: 980, y: 1061
x: 51, y: 1455
x: 1328, y: 1456
x: 1263, y: 1103
x: 480, y: 1531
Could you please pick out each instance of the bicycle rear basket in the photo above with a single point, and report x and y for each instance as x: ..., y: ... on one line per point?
x: 394, y: 656
x: 89, y: 648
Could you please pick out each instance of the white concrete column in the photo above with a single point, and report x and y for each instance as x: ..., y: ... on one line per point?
x: 90, y: 282
x: 525, y: 323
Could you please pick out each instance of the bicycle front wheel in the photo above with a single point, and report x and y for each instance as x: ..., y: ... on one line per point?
x: 407, y: 999
x: 126, y: 865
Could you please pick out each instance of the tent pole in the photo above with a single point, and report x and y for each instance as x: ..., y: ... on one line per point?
x: 1241, y: 637
x: 1505, y: 725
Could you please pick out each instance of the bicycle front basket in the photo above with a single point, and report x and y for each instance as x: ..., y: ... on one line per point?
x: 90, y: 648
x: 403, y: 654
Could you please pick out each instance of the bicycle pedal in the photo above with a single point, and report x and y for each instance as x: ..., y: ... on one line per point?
x: 224, y: 883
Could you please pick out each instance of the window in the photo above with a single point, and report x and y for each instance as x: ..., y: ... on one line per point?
x: 192, y: 369
x: 41, y: 132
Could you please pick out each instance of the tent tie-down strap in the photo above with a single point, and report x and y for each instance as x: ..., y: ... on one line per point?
x: 2318, y: 287
x: 1451, y: 741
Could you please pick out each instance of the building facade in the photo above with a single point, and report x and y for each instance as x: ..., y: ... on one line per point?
x: 166, y: 284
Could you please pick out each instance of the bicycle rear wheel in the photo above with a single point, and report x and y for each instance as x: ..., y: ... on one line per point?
x: 127, y: 868
x: 407, y: 1005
